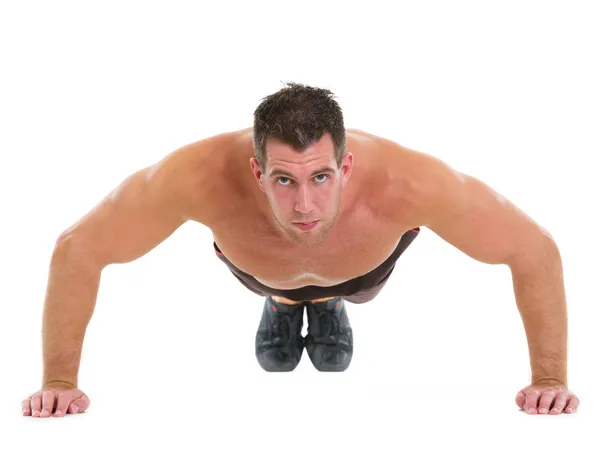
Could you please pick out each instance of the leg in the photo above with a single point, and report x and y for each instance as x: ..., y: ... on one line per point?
x: 292, y: 302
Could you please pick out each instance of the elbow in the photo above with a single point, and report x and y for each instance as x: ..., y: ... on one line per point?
x: 68, y: 243
x: 537, y: 253
x: 69, y: 246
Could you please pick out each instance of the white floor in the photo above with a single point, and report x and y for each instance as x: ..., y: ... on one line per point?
x: 438, y: 361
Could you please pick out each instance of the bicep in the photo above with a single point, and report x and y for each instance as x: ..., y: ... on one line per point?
x: 473, y: 217
x: 135, y: 217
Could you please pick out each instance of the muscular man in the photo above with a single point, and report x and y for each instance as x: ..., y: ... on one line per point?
x: 309, y: 215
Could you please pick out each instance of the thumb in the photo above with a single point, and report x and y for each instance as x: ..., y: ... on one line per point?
x: 520, y: 399
x: 74, y: 408
x: 79, y: 405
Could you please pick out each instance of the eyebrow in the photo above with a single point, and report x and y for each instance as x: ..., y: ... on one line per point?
x: 278, y: 172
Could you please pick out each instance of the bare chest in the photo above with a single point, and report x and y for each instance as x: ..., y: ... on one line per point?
x: 375, y: 211
x: 354, y: 246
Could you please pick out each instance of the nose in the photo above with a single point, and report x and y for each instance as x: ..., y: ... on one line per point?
x: 303, y: 200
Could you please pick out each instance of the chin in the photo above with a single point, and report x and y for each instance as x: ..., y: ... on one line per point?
x: 304, y: 239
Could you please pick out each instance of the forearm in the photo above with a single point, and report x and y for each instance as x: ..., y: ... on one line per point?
x: 540, y: 296
x: 70, y: 300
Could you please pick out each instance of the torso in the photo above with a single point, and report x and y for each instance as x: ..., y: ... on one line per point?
x: 371, y: 222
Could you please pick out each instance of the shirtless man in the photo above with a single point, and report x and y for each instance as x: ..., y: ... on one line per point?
x: 309, y: 215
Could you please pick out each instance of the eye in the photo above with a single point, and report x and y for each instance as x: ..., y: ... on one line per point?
x: 280, y: 178
x: 323, y: 175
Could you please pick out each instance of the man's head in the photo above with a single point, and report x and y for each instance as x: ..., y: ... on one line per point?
x: 301, y: 161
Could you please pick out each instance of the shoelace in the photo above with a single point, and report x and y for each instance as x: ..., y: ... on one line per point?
x: 280, y: 333
x: 330, y: 329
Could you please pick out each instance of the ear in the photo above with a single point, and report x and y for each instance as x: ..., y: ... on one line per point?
x: 257, y: 172
x: 346, y: 167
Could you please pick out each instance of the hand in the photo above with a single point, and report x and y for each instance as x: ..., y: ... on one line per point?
x: 538, y: 398
x: 58, y: 398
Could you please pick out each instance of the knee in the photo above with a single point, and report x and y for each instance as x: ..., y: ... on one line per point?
x: 284, y: 300
x: 319, y: 300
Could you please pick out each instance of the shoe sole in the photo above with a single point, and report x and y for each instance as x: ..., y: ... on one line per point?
x: 271, y: 367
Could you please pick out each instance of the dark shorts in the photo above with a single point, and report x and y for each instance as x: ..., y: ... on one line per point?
x: 357, y: 290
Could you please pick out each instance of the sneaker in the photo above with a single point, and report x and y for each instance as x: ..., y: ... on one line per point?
x: 329, y: 336
x: 279, y: 342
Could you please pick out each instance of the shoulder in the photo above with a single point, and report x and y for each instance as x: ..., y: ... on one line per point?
x: 403, y: 176
x: 394, y: 169
x: 190, y: 174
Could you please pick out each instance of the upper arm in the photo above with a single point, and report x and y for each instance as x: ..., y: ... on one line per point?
x: 140, y: 213
x: 474, y: 218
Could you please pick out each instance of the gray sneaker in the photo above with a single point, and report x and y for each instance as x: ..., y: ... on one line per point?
x: 329, y: 337
x: 279, y: 343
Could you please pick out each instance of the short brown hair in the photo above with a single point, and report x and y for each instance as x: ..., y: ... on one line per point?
x: 298, y: 115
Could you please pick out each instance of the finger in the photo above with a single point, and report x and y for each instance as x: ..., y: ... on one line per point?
x: 79, y: 405
x: 572, y: 405
x: 26, y: 407
x: 520, y: 399
x: 85, y: 402
x: 82, y: 403
x: 62, y: 404
x: 73, y: 408
x: 47, y: 403
x: 546, y: 401
x: 36, y: 405
x: 531, y: 401
x: 560, y: 402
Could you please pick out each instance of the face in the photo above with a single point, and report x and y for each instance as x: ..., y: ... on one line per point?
x: 303, y: 187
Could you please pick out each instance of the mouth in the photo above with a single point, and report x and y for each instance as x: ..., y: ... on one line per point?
x: 306, y: 226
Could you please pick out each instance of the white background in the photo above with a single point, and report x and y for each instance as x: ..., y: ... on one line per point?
x: 92, y: 91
